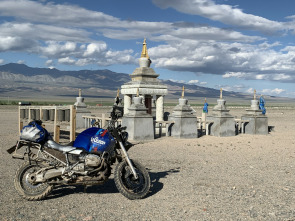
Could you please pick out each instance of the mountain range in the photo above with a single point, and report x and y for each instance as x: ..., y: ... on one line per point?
x: 23, y: 82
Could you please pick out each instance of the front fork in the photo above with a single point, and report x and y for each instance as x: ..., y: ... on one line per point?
x: 126, y: 157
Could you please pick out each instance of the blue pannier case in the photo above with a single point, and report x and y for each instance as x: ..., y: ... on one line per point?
x: 34, y: 132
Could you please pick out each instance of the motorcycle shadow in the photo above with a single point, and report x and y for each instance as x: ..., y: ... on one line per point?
x: 110, y: 187
x: 156, y: 185
x: 64, y: 190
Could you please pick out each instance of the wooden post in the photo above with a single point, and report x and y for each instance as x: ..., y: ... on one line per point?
x: 55, y: 125
x: 57, y: 133
x: 103, y: 120
x: 72, y: 123
x: 20, y: 123
x: 29, y: 115
x: 41, y: 114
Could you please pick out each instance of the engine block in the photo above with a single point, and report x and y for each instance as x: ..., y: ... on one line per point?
x: 92, y: 160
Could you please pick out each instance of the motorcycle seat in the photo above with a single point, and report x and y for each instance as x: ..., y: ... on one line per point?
x: 63, y: 148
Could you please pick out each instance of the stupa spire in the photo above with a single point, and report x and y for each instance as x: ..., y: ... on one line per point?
x: 118, y: 92
x: 182, y: 94
x: 144, y: 53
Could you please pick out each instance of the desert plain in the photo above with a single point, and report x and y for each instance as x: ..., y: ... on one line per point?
x: 245, y: 177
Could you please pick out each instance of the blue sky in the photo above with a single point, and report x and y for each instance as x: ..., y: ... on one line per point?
x: 234, y: 44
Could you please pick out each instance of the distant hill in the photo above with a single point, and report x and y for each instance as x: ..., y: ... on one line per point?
x: 20, y: 81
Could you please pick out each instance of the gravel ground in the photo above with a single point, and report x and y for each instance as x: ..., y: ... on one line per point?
x: 245, y: 177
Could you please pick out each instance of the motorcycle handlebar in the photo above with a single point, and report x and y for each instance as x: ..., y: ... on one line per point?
x: 111, y: 127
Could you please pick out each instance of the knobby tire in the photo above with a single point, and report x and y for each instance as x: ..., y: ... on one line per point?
x: 26, y: 189
x: 127, y: 185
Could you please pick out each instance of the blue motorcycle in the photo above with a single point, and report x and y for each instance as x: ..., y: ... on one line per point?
x: 88, y: 161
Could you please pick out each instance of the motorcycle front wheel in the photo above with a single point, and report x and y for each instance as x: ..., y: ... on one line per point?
x: 25, y: 185
x: 127, y: 185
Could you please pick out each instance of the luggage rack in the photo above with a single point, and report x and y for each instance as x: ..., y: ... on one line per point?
x: 21, y: 143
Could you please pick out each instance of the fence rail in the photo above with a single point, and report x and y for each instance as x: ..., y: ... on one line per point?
x: 202, y: 124
x: 103, y: 120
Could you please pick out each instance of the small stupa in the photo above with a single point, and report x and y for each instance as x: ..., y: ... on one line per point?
x: 185, y: 120
x: 223, y: 122
x: 81, y: 110
x: 80, y: 101
x: 139, y: 124
x: 255, y: 121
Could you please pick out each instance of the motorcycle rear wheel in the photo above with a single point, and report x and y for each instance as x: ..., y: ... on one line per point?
x: 26, y: 187
x: 128, y: 186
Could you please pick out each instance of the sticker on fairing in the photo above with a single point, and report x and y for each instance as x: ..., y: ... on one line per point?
x: 97, y: 140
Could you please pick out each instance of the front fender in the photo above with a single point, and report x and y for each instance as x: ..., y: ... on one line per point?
x: 128, y: 145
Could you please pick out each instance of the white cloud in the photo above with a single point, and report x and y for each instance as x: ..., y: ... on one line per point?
x: 271, y: 92
x: 278, y: 90
x: 14, y: 43
x: 43, y: 32
x: 275, y: 91
x: 67, y: 60
x: 250, y: 90
x: 21, y: 62
x: 70, y: 16
x: 84, y: 61
x: 261, y: 76
x: 267, y: 45
x: 173, y: 32
x: 1, y: 61
x: 231, y: 60
x: 227, y: 88
x: 205, y: 33
x: 193, y: 82
x: 238, y: 87
x: 49, y: 63
x: 55, y: 13
x: 95, y: 48
x: 177, y: 81
x: 281, y: 77
x: 223, y: 13
x: 235, y: 74
x: 252, y: 76
x: 57, y: 49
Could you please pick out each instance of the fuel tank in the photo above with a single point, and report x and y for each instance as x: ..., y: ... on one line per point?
x: 95, y: 140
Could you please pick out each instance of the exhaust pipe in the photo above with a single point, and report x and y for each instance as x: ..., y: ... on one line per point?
x: 49, y: 174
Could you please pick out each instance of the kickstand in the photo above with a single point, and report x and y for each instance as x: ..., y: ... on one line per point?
x: 85, y: 188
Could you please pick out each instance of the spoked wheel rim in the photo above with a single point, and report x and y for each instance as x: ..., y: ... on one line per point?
x: 28, y: 183
x: 132, y: 184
